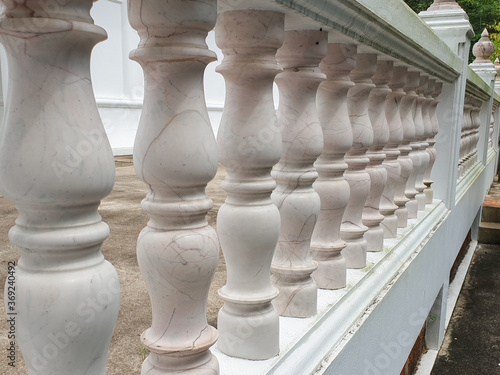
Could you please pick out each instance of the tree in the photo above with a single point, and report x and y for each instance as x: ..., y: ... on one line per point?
x: 483, y: 14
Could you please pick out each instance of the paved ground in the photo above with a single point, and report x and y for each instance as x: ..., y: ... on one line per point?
x: 472, y: 341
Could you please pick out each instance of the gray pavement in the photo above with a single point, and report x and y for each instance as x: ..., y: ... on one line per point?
x: 472, y: 341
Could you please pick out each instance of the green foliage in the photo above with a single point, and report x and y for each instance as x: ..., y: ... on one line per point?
x: 419, y: 5
x: 495, y: 38
x: 483, y: 14
x: 143, y: 353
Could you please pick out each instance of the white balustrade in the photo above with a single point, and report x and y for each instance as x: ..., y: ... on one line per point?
x: 333, y: 189
x: 56, y: 165
x: 388, y: 205
x: 434, y: 101
x: 297, y: 201
x: 421, y: 126
x: 249, y: 145
x: 378, y: 174
x: 406, y: 164
x: 352, y: 229
x: 175, y: 154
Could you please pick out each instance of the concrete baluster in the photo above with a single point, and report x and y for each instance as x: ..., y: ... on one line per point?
x: 429, y: 193
x: 353, y: 229
x: 249, y: 141
x: 175, y: 155
x: 388, y: 204
x: 333, y: 189
x: 56, y: 165
x: 297, y: 201
x: 421, y: 119
x: 408, y: 110
x: 378, y: 173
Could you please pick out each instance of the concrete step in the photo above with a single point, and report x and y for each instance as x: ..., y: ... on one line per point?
x: 489, y: 232
x: 490, y: 213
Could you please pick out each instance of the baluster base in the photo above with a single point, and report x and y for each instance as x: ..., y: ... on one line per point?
x: 331, y: 272
x: 374, y: 238
x: 203, y: 363
x: 421, y: 201
x: 402, y: 215
x: 412, y: 208
x: 390, y: 226
x: 355, y: 250
x: 248, y: 330
x: 298, y: 294
x: 429, y: 193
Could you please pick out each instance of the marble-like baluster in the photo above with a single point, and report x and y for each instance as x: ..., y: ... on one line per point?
x: 333, y: 189
x: 249, y: 145
x: 430, y: 150
x: 56, y: 164
x: 388, y: 206
x: 352, y: 230
x: 467, y: 135
x: 464, y: 138
x: 492, y: 126
x: 378, y: 173
x: 405, y: 162
x: 175, y: 154
x: 302, y: 140
x: 429, y: 193
x: 421, y: 119
x: 474, y: 136
x: 408, y: 110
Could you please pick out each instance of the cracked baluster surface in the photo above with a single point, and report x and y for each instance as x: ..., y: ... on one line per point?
x: 492, y: 126
x: 474, y: 133
x: 420, y: 133
x: 429, y: 136
x: 465, y: 133
x: 429, y: 193
x: 326, y: 244
x: 249, y: 146
x: 352, y: 230
x: 388, y: 206
x: 297, y: 201
x: 406, y: 164
x: 175, y: 154
x: 408, y: 111
x: 333, y: 189
x: 56, y: 165
x: 372, y: 217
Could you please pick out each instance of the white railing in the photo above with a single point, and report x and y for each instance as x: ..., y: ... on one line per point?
x: 343, y: 211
